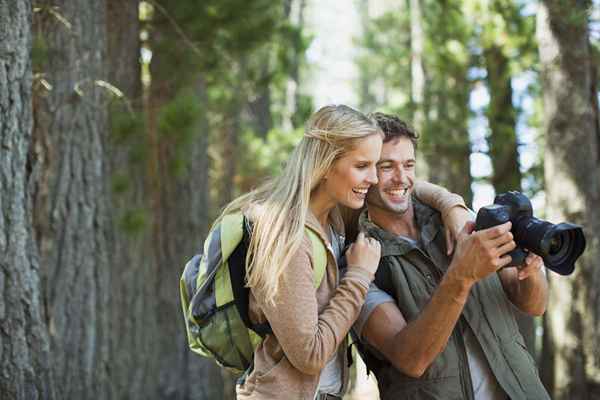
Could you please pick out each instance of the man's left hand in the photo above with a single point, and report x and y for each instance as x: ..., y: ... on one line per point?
x: 533, y: 263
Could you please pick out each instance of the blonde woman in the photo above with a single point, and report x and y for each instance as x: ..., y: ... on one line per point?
x: 333, y: 166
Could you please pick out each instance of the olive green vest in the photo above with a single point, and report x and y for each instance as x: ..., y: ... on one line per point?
x: 411, y: 276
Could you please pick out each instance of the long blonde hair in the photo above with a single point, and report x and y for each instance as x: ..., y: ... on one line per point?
x: 280, y: 206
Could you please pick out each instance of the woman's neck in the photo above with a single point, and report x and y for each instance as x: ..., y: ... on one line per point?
x: 321, y: 205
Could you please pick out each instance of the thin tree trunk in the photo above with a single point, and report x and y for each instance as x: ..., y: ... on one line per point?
x: 134, y: 329
x: 502, y: 121
x: 25, y: 371
x: 417, y: 72
x: 180, y: 221
x: 572, y: 181
x: 445, y: 143
x: 502, y: 142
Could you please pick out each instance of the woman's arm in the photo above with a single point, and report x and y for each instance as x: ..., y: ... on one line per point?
x: 451, y: 205
x: 310, y: 339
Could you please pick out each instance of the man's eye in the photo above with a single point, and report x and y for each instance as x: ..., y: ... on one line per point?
x: 385, y: 167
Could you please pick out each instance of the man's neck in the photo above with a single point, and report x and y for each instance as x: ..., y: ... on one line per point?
x: 395, y: 223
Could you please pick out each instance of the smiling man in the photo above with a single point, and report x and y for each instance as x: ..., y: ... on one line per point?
x: 434, y: 327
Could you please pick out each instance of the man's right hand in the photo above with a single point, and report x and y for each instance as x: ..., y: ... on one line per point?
x: 479, y: 254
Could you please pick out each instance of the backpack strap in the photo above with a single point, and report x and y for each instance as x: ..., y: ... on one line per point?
x: 237, y: 270
x: 237, y: 274
x: 319, y: 256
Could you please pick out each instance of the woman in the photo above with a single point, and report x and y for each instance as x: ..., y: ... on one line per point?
x: 334, y: 165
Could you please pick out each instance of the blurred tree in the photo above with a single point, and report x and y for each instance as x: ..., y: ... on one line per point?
x: 26, y: 368
x: 217, y: 67
x: 570, y: 357
x: 423, y: 76
x: 507, y: 45
x: 447, y: 59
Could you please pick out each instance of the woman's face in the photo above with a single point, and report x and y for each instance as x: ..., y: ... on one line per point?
x: 350, y: 176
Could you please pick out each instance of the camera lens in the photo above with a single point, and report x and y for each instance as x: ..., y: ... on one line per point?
x: 556, y: 243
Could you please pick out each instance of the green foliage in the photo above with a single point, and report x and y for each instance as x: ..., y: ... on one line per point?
x: 134, y: 221
x: 177, y: 124
x: 265, y: 157
x: 385, y: 61
x: 126, y: 126
x: 177, y: 117
x: 120, y: 183
x: 39, y: 52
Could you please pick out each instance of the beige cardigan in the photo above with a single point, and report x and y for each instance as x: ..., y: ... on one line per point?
x: 310, y: 324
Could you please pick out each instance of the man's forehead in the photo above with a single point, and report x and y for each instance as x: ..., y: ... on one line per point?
x: 398, y: 149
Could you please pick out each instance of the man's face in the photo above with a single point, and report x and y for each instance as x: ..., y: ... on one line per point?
x: 396, y: 173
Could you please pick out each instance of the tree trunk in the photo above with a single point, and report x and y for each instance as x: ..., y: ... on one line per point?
x: 25, y: 368
x: 503, y: 148
x: 417, y: 73
x: 445, y: 138
x: 135, y: 354
x: 294, y: 12
x: 502, y: 120
x: 572, y: 181
x: 181, y: 212
x: 72, y: 198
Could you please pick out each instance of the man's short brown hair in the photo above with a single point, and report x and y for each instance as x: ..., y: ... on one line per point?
x: 393, y: 127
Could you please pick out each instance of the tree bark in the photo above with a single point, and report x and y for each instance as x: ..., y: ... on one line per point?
x: 24, y: 344
x: 572, y: 180
x: 72, y: 199
x: 135, y: 353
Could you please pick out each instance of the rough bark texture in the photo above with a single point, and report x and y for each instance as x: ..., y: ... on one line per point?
x: 72, y: 198
x: 25, y: 371
x: 571, y: 364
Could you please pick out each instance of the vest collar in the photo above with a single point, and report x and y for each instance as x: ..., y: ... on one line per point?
x: 428, y: 222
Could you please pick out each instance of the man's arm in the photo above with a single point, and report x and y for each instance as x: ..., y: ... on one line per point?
x: 411, y: 347
x: 527, y: 287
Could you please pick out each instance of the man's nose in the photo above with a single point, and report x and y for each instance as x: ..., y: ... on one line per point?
x: 399, y: 176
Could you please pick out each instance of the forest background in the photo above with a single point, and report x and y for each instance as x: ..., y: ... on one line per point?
x: 126, y: 125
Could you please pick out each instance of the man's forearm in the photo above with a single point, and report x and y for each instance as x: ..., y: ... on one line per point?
x: 530, y: 295
x: 416, y: 346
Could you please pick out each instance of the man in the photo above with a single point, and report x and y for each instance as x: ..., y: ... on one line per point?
x: 435, y: 327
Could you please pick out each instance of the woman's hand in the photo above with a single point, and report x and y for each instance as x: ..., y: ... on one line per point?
x: 454, y: 221
x: 364, y: 253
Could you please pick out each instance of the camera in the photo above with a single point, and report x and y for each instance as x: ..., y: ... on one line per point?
x: 559, y: 245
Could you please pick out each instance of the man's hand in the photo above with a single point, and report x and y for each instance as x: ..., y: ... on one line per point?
x: 533, y: 264
x: 479, y: 254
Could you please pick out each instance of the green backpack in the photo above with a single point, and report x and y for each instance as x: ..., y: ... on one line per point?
x: 214, y: 298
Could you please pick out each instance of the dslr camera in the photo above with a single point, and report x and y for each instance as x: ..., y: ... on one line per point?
x: 558, y: 245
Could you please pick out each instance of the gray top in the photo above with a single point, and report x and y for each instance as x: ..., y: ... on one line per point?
x: 330, y: 381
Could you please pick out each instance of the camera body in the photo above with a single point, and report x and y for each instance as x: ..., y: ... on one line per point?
x: 558, y: 245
